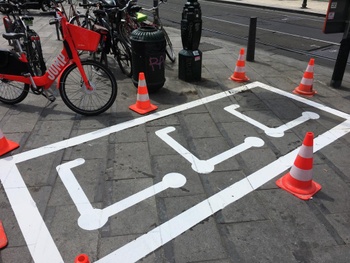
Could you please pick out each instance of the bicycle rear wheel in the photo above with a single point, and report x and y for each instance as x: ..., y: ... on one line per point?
x: 169, y: 50
x: 12, y: 92
x: 125, y: 29
x: 123, y: 57
x: 81, y: 100
x: 83, y: 21
x: 35, y: 53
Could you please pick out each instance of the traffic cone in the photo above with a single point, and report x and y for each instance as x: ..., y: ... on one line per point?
x: 239, y: 73
x: 299, y: 180
x: 143, y: 104
x: 3, y: 238
x: 6, y: 145
x: 82, y: 258
x: 306, y: 85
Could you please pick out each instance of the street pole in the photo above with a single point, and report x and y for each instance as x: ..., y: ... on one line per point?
x: 342, y: 59
x: 251, y: 39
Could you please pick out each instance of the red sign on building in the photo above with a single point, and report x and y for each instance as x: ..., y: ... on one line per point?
x: 338, y: 15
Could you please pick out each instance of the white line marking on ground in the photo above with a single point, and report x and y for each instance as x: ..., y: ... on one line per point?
x: 174, y: 227
x: 94, y: 218
x: 38, y: 238
x: 206, y: 166
x: 273, y: 132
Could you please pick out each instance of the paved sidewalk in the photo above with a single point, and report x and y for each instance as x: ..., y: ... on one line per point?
x: 312, y: 6
x: 192, y: 182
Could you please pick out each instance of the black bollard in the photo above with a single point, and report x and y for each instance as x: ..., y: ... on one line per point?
x: 304, y: 4
x: 251, y: 39
x: 190, y: 58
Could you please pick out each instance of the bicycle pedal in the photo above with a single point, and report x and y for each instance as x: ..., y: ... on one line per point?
x: 51, y: 98
x: 49, y: 94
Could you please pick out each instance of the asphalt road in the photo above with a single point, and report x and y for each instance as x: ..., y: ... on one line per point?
x: 294, y: 35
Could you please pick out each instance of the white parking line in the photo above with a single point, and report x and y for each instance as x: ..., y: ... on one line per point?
x: 94, y: 218
x: 38, y: 238
x: 206, y: 166
x: 174, y: 227
x: 273, y: 132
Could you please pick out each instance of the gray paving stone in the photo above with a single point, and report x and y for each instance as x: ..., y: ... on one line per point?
x: 341, y: 222
x: 69, y: 238
x: 132, y: 160
x: 332, y: 254
x: 335, y: 192
x: 15, y: 254
x: 267, y: 225
x: 159, y: 147
x: 261, y: 241
x: 47, y: 132
x: 202, y: 242
x: 200, y: 125
x: 297, y: 219
x: 207, y: 148
x: 165, y: 164
x: 137, y: 219
x: 40, y: 171
x: 110, y: 244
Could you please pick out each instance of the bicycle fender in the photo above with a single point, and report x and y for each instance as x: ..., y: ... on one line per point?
x: 60, y: 75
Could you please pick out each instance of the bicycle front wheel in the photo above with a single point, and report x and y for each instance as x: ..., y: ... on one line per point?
x: 12, y: 92
x: 82, y: 100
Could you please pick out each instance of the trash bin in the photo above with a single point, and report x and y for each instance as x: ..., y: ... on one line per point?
x: 148, y: 56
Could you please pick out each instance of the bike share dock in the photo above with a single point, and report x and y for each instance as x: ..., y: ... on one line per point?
x: 193, y: 181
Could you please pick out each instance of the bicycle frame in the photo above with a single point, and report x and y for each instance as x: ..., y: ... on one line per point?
x: 66, y: 57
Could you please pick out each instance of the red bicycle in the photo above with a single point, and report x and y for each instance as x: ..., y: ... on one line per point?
x: 86, y: 87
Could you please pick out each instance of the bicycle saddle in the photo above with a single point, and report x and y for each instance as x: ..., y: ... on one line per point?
x: 10, y: 36
x: 27, y: 18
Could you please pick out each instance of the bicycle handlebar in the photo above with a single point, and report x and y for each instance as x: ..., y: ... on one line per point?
x: 53, y: 21
x: 89, y: 5
x: 18, y: 6
x: 58, y: 1
x: 112, y: 8
x: 155, y: 7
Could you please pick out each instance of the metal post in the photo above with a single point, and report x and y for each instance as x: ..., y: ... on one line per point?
x: 57, y: 26
x: 304, y: 4
x: 340, y: 63
x: 251, y: 39
x: 156, y: 15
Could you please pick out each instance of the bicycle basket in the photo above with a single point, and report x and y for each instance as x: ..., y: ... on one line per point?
x: 84, y: 39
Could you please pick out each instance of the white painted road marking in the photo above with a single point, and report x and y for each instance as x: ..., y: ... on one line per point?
x: 94, y: 218
x: 174, y: 227
x: 273, y: 132
x: 38, y: 238
x: 206, y: 166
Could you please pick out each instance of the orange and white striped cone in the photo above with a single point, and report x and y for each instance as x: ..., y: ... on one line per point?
x: 143, y: 104
x: 82, y: 258
x: 3, y: 238
x: 299, y: 179
x: 239, y: 73
x: 6, y: 145
x: 306, y: 84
